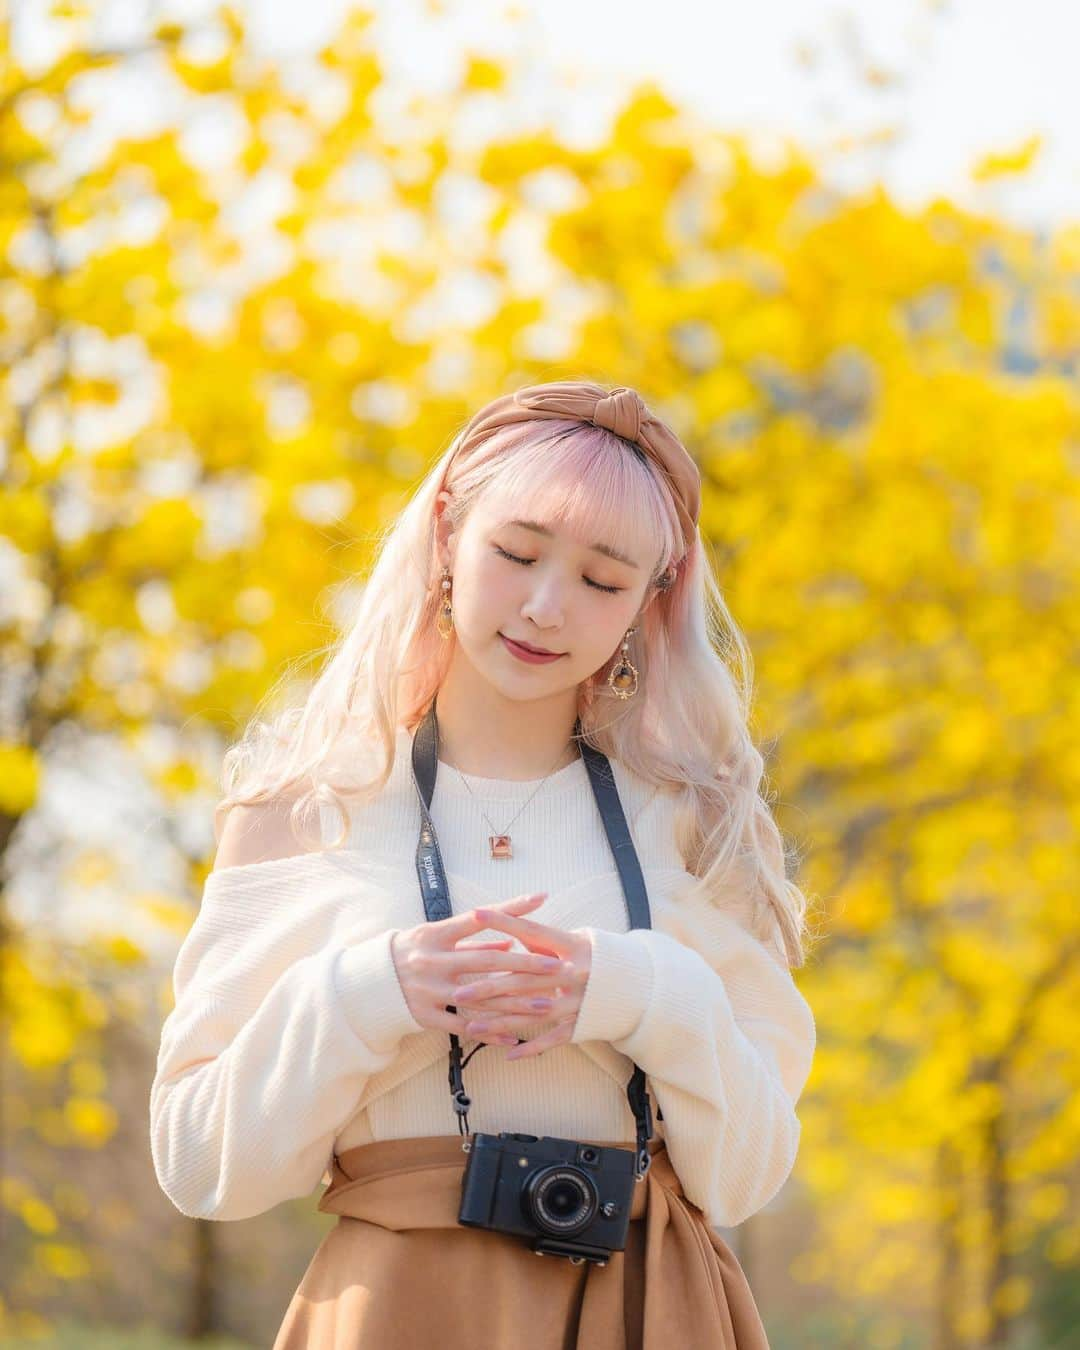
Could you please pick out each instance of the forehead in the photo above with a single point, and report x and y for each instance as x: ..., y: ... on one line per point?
x: 575, y: 491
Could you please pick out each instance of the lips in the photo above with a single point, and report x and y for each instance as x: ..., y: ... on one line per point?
x: 540, y: 651
x: 533, y: 658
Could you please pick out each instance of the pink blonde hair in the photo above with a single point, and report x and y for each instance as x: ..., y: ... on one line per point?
x: 685, y: 731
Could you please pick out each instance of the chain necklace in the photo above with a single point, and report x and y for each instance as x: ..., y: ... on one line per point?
x: 499, y: 842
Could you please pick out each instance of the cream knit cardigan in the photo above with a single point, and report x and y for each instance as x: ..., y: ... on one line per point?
x: 290, y: 1038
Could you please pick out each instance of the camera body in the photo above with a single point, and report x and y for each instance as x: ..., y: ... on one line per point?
x: 572, y: 1199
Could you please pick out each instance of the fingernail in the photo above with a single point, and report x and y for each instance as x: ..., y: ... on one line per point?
x: 551, y: 963
x: 541, y: 1003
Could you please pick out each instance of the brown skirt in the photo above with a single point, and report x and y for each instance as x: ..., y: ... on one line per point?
x: 398, y: 1272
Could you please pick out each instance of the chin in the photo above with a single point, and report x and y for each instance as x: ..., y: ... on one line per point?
x: 522, y: 682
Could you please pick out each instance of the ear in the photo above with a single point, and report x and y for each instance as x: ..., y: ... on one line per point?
x: 650, y: 596
x: 444, y: 530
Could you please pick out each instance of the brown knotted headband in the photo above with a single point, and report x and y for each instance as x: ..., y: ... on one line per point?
x: 621, y: 410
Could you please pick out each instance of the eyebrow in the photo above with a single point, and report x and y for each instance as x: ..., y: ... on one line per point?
x: 597, y: 548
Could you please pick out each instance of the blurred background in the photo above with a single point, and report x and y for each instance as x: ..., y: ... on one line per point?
x: 257, y: 265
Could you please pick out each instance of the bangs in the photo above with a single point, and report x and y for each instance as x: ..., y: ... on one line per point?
x: 591, y: 483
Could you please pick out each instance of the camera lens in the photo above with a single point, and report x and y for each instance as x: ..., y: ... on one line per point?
x: 560, y: 1199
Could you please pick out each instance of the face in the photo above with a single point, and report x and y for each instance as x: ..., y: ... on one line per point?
x: 550, y: 590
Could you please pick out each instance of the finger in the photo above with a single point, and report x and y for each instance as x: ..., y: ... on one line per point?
x: 494, y: 985
x: 455, y: 963
x: 506, y: 1038
x: 464, y: 944
x: 559, y: 1035
x: 462, y: 1025
x: 535, y: 1009
x: 542, y: 1001
x: 516, y: 1000
x: 494, y: 990
x: 518, y: 904
x: 441, y: 1019
x: 461, y: 925
x: 491, y: 1023
x: 526, y: 930
x: 515, y: 1030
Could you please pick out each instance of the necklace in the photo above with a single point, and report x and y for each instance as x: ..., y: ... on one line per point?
x: 499, y: 842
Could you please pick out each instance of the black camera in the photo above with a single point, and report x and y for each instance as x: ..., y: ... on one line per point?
x: 572, y: 1199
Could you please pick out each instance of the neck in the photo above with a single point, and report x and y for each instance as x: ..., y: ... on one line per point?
x: 484, y: 733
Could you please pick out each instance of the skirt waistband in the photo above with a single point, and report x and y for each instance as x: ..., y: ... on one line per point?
x: 416, y: 1183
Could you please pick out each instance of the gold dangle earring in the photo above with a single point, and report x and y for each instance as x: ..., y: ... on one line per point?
x: 444, y: 621
x: 623, y: 677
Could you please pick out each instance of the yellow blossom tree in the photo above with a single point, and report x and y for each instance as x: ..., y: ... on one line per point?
x: 206, y: 423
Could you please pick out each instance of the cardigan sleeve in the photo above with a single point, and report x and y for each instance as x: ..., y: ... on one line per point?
x: 713, y: 1017
x: 281, y: 1014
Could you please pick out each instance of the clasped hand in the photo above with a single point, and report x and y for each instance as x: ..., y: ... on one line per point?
x: 499, y: 1005
x: 485, y: 991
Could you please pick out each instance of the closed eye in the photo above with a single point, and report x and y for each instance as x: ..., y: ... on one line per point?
x: 527, y: 562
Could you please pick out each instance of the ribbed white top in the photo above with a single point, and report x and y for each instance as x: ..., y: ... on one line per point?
x: 290, y: 1038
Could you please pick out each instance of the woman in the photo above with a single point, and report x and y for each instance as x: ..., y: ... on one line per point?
x: 314, y: 999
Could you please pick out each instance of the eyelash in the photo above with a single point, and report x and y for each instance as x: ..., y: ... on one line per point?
x: 527, y: 562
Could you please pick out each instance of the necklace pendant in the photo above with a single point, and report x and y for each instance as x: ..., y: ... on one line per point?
x: 500, y: 845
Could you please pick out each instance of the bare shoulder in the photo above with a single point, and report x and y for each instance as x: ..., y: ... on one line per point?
x: 258, y: 833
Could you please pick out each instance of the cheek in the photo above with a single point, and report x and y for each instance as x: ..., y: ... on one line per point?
x: 482, y: 602
x: 600, y: 632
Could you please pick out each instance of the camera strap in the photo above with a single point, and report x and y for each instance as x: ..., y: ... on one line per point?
x: 437, y: 906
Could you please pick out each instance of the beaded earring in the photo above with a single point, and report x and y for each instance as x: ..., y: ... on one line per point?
x: 444, y: 621
x: 622, y: 679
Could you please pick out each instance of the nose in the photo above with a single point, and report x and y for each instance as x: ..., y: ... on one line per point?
x: 544, y: 609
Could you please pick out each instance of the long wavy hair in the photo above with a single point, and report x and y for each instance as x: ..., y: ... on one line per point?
x: 685, y: 731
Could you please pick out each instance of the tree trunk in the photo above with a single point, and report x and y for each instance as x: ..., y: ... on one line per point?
x: 203, y: 1312
x: 999, y: 1257
x: 949, y: 1272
